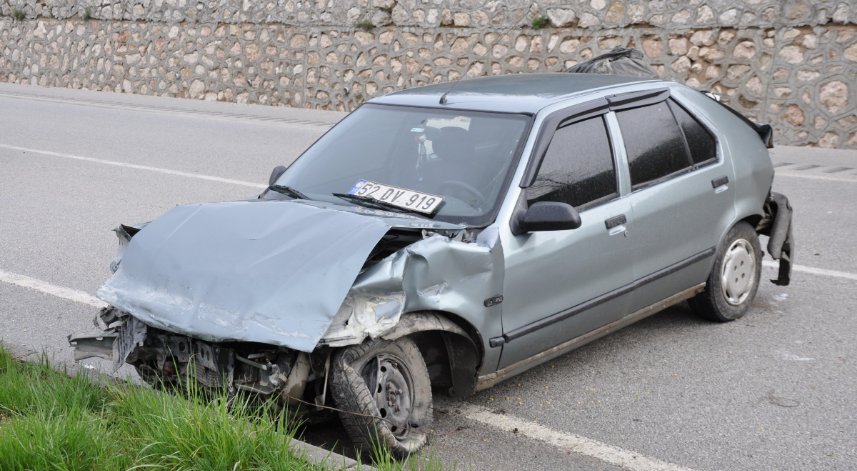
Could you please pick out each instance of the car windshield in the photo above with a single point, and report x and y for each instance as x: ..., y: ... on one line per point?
x: 463, y: 156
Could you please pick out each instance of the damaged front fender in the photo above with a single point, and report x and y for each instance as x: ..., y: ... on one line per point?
x: 436, y: 274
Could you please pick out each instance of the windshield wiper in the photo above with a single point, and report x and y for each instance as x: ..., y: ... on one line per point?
x: 289, y: 191
x: 377, y: 204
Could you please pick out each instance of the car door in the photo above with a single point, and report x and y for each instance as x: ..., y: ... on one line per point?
x: 560, y: 285
x: 681, y: 194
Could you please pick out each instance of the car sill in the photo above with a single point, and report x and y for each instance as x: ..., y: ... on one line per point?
x: 486, y: 381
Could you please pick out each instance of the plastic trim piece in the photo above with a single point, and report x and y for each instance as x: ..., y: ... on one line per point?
x: 554, y: 121
x: 637, y: 99
x: 585, y: 306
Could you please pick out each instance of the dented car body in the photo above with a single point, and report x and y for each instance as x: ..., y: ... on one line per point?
x: 570, y: 206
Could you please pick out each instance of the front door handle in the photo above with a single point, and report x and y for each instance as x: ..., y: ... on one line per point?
x: 719, y: 181
x: 615, y: 221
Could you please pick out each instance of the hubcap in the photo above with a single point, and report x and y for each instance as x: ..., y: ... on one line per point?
x: 739, y: 272
x: 390, y: 383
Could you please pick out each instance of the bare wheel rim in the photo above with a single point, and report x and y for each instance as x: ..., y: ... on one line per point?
x: 739, y: 272
x: 391, y: 385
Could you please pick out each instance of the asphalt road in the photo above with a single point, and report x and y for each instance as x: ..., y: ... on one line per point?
x: 772, y: 391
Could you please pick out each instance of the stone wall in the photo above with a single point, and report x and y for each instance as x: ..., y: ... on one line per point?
x: 786, y: 62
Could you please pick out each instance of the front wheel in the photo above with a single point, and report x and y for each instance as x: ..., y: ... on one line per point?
x: 384, y: 391
x: 734, y: 279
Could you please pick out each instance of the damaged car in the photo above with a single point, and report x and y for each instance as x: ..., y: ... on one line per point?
x: 442, y: 239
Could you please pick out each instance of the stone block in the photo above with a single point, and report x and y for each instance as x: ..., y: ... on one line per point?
x: 834, y: 96
x: 561, y: 17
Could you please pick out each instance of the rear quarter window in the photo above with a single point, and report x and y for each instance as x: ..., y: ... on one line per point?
x: 700, y: 142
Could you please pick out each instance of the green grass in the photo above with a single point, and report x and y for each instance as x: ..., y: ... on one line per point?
x: 539, y: 22
x: 365, y: 24
x: 18, y: 14
x: 50, y: 420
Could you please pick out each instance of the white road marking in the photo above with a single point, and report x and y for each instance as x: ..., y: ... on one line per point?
x: 790, y: 357
x: 816, y: 176
x: 137, y: 167
x: 215, y: 115
x: 814, y: 271
x: 567, y: 441
x: 53, y: 290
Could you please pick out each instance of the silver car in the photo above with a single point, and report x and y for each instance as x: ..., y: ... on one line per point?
x: 449, y: 237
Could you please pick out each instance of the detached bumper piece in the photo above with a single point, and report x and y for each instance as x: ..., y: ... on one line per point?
x: 120, y: 334
x: 777, y: 225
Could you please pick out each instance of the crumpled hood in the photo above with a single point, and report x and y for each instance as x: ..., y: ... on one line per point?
x: 273, y: 272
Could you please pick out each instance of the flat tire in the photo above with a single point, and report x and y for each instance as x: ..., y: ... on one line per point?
x: 383, y: 390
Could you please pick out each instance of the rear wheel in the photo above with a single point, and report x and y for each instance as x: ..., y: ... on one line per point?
x: 734, y: 279
x: 383, y: 388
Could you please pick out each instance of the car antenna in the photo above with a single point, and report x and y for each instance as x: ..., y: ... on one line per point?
x: 443, y: 100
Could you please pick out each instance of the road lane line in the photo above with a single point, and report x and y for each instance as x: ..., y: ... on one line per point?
x: 137, y: 167
x: 815, y: 176
x: 814, y: 271
x: 566, y: 441
x: 162, y: 110
x: 53, y: 290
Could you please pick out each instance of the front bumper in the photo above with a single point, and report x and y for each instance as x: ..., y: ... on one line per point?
x: 165, y: 358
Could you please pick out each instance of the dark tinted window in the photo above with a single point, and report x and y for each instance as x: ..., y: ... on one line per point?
x: 578, y: 166
x: 653, y: 142
x: 701, y: 143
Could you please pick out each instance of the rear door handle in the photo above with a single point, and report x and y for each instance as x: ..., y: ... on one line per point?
x: 719, y: 181
x: 616, y: 224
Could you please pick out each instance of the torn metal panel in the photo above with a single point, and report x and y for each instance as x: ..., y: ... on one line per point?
x: 124, y: 232
x: 272, y: 272
x: 132, y: 334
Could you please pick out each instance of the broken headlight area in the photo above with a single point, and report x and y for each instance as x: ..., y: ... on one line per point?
x: 363, y: 315
x: 173, y: 361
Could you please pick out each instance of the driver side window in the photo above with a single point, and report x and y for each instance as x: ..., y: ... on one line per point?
x: 578, y: 167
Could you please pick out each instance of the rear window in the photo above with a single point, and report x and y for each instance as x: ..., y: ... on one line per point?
x: 653, y: 142
x: 703, y: 147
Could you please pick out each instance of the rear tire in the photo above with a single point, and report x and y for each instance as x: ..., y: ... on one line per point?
x: 734, y: 279
x: 383, y: 387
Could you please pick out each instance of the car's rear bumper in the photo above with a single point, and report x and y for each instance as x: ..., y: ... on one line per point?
x: 777, y: 225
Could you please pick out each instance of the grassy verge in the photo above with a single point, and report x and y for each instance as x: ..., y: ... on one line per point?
x: 50, y: 420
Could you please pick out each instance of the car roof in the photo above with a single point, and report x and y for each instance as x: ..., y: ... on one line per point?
x: 514, y: 93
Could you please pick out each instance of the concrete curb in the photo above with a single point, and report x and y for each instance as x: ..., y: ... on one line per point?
x: 312, y: 454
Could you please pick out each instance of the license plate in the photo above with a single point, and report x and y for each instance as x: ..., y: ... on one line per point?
x: 399, y: 197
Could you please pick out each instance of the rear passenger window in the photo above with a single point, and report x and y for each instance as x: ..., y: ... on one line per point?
x: 578, y: 167
x: 701, y: 143
x: 653, y: 142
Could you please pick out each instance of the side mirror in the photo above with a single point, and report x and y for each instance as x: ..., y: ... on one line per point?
x: 550, y: 216
x: 275, y: 175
